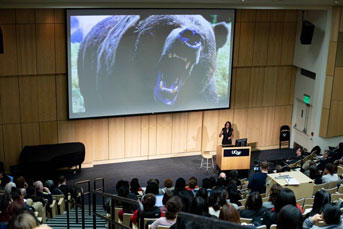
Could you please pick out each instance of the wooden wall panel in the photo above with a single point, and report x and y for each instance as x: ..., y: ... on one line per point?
x: 242, y: 87
x: 254, y: 125
x: 9, y: 57
x: 236, y: 43
x: 145, y: 135
x: 62, y: 97
x: 2, y: 154
x: 45, y: 15
x: 267, y: 126
x: 45, y: 35
x: 247, y: 15
x: 66, y: 131
x: 261, y: 44
x: 60, y: 15
x: 239, y: 124
x: 194, y: 131
x: 116, y: 137
x: 47, y: 97
x: 223, y: 116
x: 7, y: 16
x: 324, y: 121
x: 233, y: 88
x: 179, y: 133
x: 288, y: 43
x: 246, y: 44
x: 132, y: 136
x: 25, y: 16
x: 60, y: 50
x: 28, y: 86
x: 274, y: 43
x: 84, y: 134
x: 283, y: 116
x: 30, y: 134
x: 100, y: 133
x: 256, y: 87
x: 164, y: 133
x: 283, y: 85
x: 9, y: 94
x: 270, y: 85
x: 292, y: 86
x: 152, y: 134
x: 335, y: 127
x: 262, y: 15
x: 337, y: 84
x: 48, y: 132
x: 330, y: 67
x: 327, y: 92
x: 336, y: 15
x: 277, y: 15
x: 26, y: 46
x: 291, y: 15
x: 210, y: 130
x: 12, y: 144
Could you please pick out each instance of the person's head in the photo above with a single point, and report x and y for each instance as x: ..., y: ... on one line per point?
x: 321, y: 198
x: 221, y: 182
x: 186, y: 201
x: 149, y: 201
x: 202, y: 192
x: 290, y: 217
x: 286, y: 196
x: 314, y: 172
x: 299, y: 151
x: 134, y: 186
x: 192, y: 182
x: 218, y: 198
x: 20, y: 182
x: 152, y: 187
x: 9, y: 186
x: 329, y: 168
x: 168, y: 183
x: 229, y: 213
x: 15, y: 194
x: 331, y: 214
x: 30, y: 191
x: 340, y: 146
x: 326, y: 154
x: 23, y: 221
x: 206, y: 184
x: 233, y: 174
x: 174, y: 205
x: 4, y: 202
x: 274, y: 192
x: 123, y: 190
x: 213, y: 181
x: 278, y: 168
x: 254, y: 201
x: 264, y: 166
x: 121, y: 183
x: 227, y: 125
x: 62, y: 180
x: 167, y: 195
x: 38, y: 185
x: 49, y: 184
x: 222, y: 175
x: 180, y: 184
x: 316, y: 150
x: 199, y: 206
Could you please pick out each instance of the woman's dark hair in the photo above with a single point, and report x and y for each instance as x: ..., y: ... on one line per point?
x: 218, y: 198
x: 230, y: 126
x: 321, y: 198
x: 149, y: 201
x: 134, y: 186
x: 274, y: 192
x: 213, y: 182
x: 290, y: 217
x: 202, y: 192
x: 167, y: 195
x: 199, y: 206
x: 316, y: 149
x: 330, y: 168
x: 15, y: 194
x: 121, y: 183
x: 30, y: 191
x: 314, y: 172
x: 221, y: 182
x: 229, y: 213
x: 152, y: 187
x: 174, y: 205
x: 180, y: 184
x: 254, y: 201
x: 186, y: 200
x: 332, y: 214
x: 20, y: 182
x: 123, y: 190
x: 234, y: 194
x: 206, y: 183
x: 285, y: 197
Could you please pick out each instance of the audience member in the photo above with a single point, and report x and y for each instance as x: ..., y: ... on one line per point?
x: 123, y: 191
x: 253, y: 207
x: 9, y: 186
x: 166, y: 197
x: 290, y: 217
x: 329, y: 174
x: 17, y: 203
x: 258, y: 181
x: 174, y: 205
x: 321, y: 198
x: 274, y: 192
x: 168, y: 185
x: 152, y: 187
x: 21, y: 184
x: 314, y: 175
x: 199, y: 207
x: 331, y: 216
x: 135, y: 188
x: 185, y: 195
x: 229, y: 213
x: 299, y: 156
x: 202, y: 192
x: 64, y: 188
x: 43, y: 192
x: 192, y: 184
x: 217, y: 199
x: 4, y: 203
x: 233, y: 178
x: 23, y: 220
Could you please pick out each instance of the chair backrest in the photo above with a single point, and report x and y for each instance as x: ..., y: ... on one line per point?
x: 284, y: 133
x: 241, y: 207
x: 331, y: 190
x: 317, y: 187
x: 334, y: 184
x: 307, y: 206
x: 336, y: 197
x: 116, y: 217
x: 242, y: 201
x: 340, y: 190
x: 265, y: 199
x: 126, y: 219
x: 273, y: 226
x: 263, y: 195
x: 301, y: 201
x: 309, y: 201
x: 146, y: 220
x: 163, y: 227
x: 246, y: 220
x: 262, y: 227
x: 339, y: 170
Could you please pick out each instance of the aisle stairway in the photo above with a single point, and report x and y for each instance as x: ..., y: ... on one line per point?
x: 61, y: 220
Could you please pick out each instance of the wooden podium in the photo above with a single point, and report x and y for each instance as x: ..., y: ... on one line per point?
x: 233, y: 158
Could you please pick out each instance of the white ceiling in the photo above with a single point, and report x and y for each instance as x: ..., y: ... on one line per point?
x: 319, y: 4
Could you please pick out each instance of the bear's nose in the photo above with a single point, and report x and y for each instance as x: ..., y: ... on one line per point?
x: 190, y: 37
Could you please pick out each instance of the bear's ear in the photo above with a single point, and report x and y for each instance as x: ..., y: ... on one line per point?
x: 220, y: 31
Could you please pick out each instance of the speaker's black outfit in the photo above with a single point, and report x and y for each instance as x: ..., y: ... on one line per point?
x: 226, y: 135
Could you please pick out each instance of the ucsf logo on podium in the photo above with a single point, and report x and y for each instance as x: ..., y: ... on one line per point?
x: 236, y: 152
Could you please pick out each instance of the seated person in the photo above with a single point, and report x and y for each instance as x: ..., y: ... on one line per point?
x: 253, y: 207
x: 200, y: 207
x: 185, y: 195
x: 152, y: 187
x: 192, y: 184
x: 216, y: 200
x: 258, y: 181
x: 135, y: 188
x: 64, y: 188
x: 150, y: 210
x: 168, y: 185
x: 167, y: 195
x: 4, y: 203
x: 43, y: 191
x: 17, y: 203
x: 321, y: 198
x: 300, y: 154
x: 173, y: 206
x: 331, y: 216
x: 314, y: 175
x: 329, y: 174
x: 24, y: 219
x: 274, y: 192
x: 290, y: 217
x: 32, y: 194
x: 229, y: 213
x: 123, y: 191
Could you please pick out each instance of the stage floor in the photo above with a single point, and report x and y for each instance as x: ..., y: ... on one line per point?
x: 163, y: 168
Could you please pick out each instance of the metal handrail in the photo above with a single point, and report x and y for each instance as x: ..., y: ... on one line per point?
x: 88, y: 192
x: 102, y: 188
x: 81, y: 205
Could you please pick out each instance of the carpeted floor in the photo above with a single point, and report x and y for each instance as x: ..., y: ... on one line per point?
x: 164, y: 168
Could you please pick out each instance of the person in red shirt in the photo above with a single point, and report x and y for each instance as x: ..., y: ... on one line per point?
x: 192, y: 184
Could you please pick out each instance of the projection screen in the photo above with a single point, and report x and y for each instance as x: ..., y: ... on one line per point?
x: 146, y: 61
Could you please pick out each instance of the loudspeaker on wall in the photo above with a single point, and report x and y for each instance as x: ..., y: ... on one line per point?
x: 306, y: 33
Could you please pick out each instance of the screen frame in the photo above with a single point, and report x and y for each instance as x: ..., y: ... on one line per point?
x: 68, y: 67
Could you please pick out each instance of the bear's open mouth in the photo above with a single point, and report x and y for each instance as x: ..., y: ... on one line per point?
x: 172, y: 71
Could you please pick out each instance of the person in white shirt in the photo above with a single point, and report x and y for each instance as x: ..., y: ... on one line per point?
x: 174, y: 205
x: 329, y: 174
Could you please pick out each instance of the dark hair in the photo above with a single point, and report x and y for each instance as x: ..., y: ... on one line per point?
x: 168, y: 183
x: 290, y: 217
x: 186, y: 200
x: 199, y: 206
x: 329, y: 167
x: 218, y: 198
x: 121, y: 183
x: 192, y: 182
x: 321, y: 198
x: 30, y: 191
x: 174, y: 205
x: 49, y: 184
x: 314, y: 172
x: 221, y: 182
x: 4, y: 202
x: 180, y: 184
x: 149, y: 201
x: 316, y: 149
x: 20, y: 182
x: 213, y: 182
x: 167, y: 195
x: 61, y: 179
x: 134, y: 186
x: 254, y: 201
x: 285, y: 197
x: 15, y: 194
x: 234, y: 194
x: 230, y: 126
x: 332, y: 214
x: 123, y: 191
x: 202, y: 192
x: 229, y: 213
x: 206, y: 184
x: 274, y: 192
x: 264, y: 165
x: 152, y: 187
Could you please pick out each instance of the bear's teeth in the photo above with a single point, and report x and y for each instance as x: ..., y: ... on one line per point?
x: 161, y: 85
x: 187, y: 65
x: 170, y: 55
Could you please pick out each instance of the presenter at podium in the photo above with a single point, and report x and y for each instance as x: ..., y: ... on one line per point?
x: 227, y: 133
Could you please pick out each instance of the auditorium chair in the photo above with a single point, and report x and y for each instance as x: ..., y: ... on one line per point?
x: 285, y: 135
x: 318, y: 187
x: 265, y: 199
x: 262, y: 227
x: 163, y: 227
x: 331, y: 190
x: 273, y: 226
x: 116, y: 217
x: 340, y: 190
x: 309, y: 201
x: 126, y: 219
x: 339, y: 170
x: 307, y: 206
x: 60, y: 203
x: 147, y: 220
x: 301, y: 201
x: 336, y: 196
x: 334, y: 184
x: 246, y: 220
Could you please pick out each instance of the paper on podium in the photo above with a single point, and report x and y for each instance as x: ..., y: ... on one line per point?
x: 291, y: 181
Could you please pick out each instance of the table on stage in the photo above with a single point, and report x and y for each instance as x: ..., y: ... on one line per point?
x: 233, y: 157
